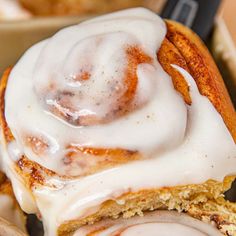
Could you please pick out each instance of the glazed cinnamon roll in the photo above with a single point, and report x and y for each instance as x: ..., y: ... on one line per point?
x: 12, y: 219
x: 75, y: 7
x: 119, y: 115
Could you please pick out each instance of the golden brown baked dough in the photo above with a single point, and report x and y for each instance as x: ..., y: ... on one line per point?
x: 204, y: 201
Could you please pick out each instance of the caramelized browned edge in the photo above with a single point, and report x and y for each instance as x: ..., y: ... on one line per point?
x: 204, y: 71
x: 5, y: 129
x: 6, y: 188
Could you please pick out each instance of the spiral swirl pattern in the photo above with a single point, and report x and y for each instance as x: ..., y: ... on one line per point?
x: 90, y: 82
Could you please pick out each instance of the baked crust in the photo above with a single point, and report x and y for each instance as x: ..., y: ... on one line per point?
x: 181, y: 47
x: 204, y: 71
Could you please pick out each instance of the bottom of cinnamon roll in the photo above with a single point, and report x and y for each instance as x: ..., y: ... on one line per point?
x: 201, y: 201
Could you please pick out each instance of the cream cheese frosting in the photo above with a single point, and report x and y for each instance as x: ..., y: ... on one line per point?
x: 140, y: 128
x: 83, y: 66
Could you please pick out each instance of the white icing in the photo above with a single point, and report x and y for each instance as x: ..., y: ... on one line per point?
x: 11, y: 10
x: 178, y: 141
x: 158, y: 223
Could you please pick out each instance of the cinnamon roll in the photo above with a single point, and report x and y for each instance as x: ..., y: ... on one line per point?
x: 12, y: 219
x: 116, y: 116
